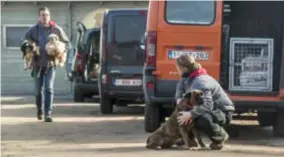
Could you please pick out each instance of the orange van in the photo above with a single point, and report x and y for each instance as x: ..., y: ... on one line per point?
x: 226, y: 42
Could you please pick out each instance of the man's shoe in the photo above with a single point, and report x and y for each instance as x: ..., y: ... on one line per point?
x: 48, y: 119
x: 39, y: 115
x: 218, y: 144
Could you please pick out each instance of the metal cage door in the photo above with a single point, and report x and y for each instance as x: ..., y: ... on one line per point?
x: 251, y: 64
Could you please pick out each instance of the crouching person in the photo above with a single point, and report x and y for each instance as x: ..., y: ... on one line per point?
x: 217, y: 110
x: 42, y: 69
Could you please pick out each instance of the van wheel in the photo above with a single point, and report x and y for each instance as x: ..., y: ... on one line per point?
x: 152, y: 117
x: 77, y: 95
x: 278, y: 128
x: 265, y: 118
x: 106, y: 105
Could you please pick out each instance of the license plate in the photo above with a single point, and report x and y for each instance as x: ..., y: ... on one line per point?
x: 128, y: 82
x: 198, y: 55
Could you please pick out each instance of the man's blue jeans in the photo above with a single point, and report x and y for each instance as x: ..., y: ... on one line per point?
x: 44, y: 78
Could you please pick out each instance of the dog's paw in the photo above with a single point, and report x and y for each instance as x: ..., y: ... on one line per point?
x: 202, y: 145
x: 153, y: 147
x: 204, y: 148
x: 192, y: 143
x: 179, y: 142
x: 193, y: 148
x: 199, y: 148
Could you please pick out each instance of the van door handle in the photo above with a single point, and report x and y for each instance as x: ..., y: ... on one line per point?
x: 115, y: 72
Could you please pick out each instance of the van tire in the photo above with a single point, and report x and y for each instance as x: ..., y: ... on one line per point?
x: 278, y: 128
x: 106, y: 105
x: 77, y: 95
x: 265, y: 118
x: 152, y: 117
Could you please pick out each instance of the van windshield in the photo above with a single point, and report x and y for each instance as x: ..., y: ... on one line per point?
x: 190, y: 12
x: 126, y: 37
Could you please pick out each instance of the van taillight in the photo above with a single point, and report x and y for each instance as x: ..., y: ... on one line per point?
x: 150, y: 85
x: 79, y: 62
x: 150, y: 45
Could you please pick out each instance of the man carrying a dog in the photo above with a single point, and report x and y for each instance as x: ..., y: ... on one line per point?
x: 42, y: 71
x: 217, y: 109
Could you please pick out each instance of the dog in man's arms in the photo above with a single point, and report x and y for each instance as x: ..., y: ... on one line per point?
x: 29, y: 50
x: 168, y: 134
x: 56, y: 50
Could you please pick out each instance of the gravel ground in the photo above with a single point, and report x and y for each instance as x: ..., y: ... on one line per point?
x: 80, y: 130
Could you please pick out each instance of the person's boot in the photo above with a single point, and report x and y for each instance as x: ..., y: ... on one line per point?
x: 48, y: 119
x: 219, y: 140
x: 47, y: 113
x: 39, y: 106
x: 39, y: 114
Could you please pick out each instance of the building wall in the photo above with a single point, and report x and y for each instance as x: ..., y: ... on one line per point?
x: 15, y: 20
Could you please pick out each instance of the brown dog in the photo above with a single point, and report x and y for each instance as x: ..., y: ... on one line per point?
x: 170, y: 131
x: 29, y: 50
x: 56, y: 50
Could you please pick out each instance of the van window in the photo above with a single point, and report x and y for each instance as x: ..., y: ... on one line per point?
x: 128, y: 30
x: 190, y: 12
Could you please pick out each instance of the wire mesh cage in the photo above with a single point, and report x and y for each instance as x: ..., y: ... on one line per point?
x: 251, y: 64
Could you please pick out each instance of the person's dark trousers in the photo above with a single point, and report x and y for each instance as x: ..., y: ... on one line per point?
x: 212, y: 124
x: 44, y: 79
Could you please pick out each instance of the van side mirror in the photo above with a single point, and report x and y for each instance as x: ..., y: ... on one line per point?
x: 142, y: 43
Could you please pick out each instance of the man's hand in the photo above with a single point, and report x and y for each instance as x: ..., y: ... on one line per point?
x: 184, y: 118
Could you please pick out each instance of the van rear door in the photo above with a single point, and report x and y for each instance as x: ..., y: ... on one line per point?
x: 124, y: 56
x: 192, y: 27
x: 91, y: 51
